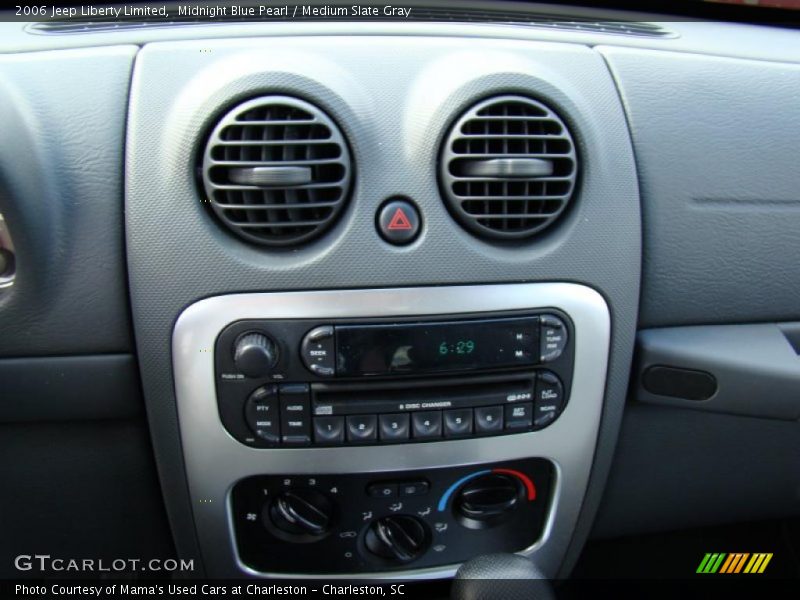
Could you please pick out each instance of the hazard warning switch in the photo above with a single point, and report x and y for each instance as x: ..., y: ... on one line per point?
x: 398, y: 221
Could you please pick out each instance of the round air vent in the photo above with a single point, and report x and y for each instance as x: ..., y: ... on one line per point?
x: 508, y: 168
x: 277, y: 171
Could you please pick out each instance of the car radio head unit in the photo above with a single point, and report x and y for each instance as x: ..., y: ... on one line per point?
x: 301, y: 382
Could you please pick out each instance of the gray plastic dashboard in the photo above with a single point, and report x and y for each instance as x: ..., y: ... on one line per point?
x: 681, y: 110
x: 394, y: 98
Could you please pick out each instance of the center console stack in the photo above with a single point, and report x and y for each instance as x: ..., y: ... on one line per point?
x: 389, y: 431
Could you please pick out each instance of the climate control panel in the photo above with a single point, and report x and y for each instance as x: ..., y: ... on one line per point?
x: 372, y: 523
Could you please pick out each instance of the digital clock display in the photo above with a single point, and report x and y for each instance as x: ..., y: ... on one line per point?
x: 384, y: 349
x: 457, y: 347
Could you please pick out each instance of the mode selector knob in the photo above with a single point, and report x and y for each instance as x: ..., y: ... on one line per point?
x: 255, y: 354
x: 397, y: 538
x: 317, y: 351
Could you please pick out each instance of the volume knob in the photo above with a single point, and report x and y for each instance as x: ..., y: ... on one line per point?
x: 255, y: 354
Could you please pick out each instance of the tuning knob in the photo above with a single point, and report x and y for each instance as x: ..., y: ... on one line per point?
x: 255, y: 354
x: 487, y: 500
x: 400, y: 538
x: 305, y: 515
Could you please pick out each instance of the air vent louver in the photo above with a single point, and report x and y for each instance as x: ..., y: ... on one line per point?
x: 277, y: 171
x: 508, y: 168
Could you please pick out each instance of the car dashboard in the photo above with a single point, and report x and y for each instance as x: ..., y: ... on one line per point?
x: 396, y: 293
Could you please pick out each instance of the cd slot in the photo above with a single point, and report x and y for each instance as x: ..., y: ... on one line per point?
x: 407, y: 399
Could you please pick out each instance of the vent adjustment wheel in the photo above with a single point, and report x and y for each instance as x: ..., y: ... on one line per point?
x: 277, y: 171
x: 508, y: 168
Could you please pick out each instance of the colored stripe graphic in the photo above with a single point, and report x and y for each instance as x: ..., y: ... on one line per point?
x: 727, y: 564
x: 724, y: 563
x: 764, y: 564
x: 735, y: 562
x: 703, y: 563
x: 711, y: 562
x: 740, y: 564
x: 758, y: 563
x: 715, y: 565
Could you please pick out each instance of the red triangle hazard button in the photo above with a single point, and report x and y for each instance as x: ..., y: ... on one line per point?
x: 398, y: 221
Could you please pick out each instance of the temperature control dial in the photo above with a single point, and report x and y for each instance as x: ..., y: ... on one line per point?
x: 397, y: 538
x: 488, y: 499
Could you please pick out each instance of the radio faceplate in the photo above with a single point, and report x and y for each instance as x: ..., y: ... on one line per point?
x: 397, y: 380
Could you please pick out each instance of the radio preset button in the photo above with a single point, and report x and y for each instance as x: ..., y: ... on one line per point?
x: 295, y: 401
x: 427, y: 424
x: 329, y: 430
x: 362, y: 428
x: 457, y: 422
x: 394, y: 427
x: 261, y: 413
x: 317, y: 351
x: 549, y: 399
x: 553, y: 337
x: 489, y: 419
x: 519, y: 415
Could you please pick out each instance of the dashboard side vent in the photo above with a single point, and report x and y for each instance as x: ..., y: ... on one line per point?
x: 277, y: 171
x: 508, y: 168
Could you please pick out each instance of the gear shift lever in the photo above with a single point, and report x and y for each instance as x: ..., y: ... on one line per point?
x: 501, y: 577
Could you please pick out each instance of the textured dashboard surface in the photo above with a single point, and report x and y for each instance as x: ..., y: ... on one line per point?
x: 61, y: 144
x: 716, y: 146
x: 677, y: 469
x: 394, y: 98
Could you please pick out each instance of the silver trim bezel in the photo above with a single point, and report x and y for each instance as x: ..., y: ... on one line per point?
x: 215, y: 461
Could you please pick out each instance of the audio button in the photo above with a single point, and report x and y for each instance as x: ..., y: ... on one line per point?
x: 295, y: 402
